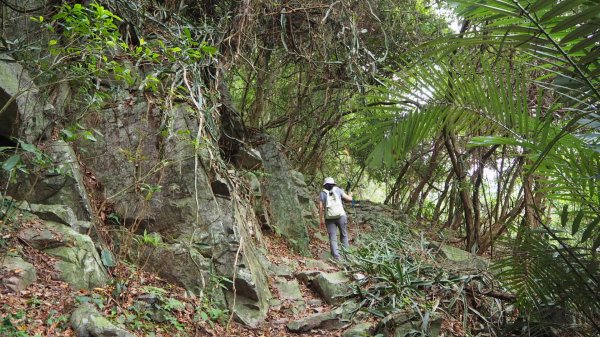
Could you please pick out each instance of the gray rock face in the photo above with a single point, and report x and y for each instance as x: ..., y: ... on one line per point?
x: 88, y: 322
x: 146, y: 164
x: 19, y: 26
x: 24, y: 114
x: 56, y: 213
x: 176, y: 263
x: 68, y: 187
x: 290, y: 205
x: 18, y: 274
x: 56, y: 189
x: 248, y: 159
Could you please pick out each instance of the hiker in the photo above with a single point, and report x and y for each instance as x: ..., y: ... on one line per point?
x: 332, y: 214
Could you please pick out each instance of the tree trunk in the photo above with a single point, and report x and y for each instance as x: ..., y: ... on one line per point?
x: 499, y: 227
x: 414, y: 197
x: 463, y: 191
x: 478, y: 177
x: 260, y: 87
x: 398, y: 181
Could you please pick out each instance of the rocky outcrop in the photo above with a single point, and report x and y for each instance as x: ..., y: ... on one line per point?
x: 160, y: 182
x: 22, y: 111
x: 61, y: 185
x: 291, y: 206
x: 186, y: 267
x: 88, y: 322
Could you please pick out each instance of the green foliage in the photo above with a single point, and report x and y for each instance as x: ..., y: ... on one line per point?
x: 521, y: 77
x: 400, y: 276
x: 77, y: 131
x: 61, y: 321
x: 88, y: 50
x: 150, y: 239
x: 542, y: 273
x: 149, y: 190
x: 93, y: 298
x: 9, y: 326
x: 22, y: 158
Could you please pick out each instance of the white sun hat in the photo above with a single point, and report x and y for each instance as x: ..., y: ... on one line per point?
x: 329, y: 180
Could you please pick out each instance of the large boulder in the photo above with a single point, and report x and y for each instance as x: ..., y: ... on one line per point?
x: 148, y: 171
x: 242, y: 263
x: 78, y: 261
x: 88, y: 322
x: 291, y: 207
x: 15, y: 273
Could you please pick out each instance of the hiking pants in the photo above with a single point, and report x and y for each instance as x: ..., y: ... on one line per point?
x: 332, y: 228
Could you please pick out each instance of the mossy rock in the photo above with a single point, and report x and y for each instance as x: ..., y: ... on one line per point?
x: 78, y: 261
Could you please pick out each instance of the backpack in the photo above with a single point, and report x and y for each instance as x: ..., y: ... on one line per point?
x: 334, y: 209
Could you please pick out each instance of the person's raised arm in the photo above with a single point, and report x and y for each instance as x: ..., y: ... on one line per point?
x: 347, y: 197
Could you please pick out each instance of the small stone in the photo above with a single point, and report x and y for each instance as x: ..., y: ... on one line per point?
x: 289, y: 290
x: 359, y: 330
x: 87, y: 321
x: 333, y: 287
x: 359, y: 276
x: 148, y: 298
x: 317, y: 264
x: 307, y: 276
x: 315, y: 302
x: 280, y: 321
x: 327, y: 321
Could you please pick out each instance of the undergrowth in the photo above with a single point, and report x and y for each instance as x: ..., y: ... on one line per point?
x: 403, y: 276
